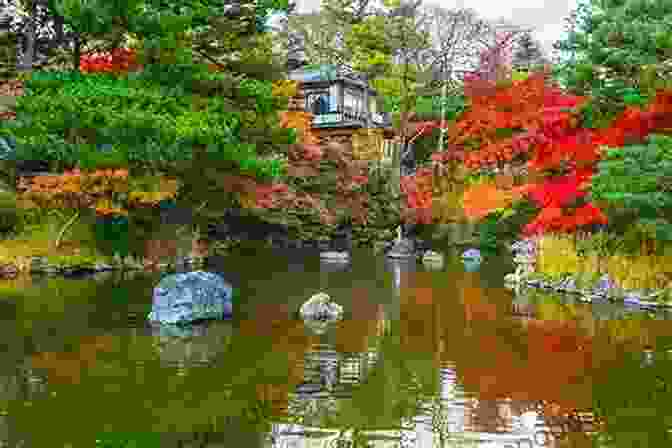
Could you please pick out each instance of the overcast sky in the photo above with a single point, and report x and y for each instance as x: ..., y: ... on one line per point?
x: 546, y: 17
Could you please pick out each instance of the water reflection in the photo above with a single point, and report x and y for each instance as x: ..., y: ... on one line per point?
x: 423, y: 359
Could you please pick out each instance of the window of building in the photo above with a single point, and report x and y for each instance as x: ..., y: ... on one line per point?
x: 352, y: 101
x: 321, y: 105
x: 318, y: 103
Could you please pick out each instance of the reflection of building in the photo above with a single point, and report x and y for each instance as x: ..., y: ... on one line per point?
x: 448, y: 417
x: 330, y: 373
x: 317, y: 370
x: 455, y: 416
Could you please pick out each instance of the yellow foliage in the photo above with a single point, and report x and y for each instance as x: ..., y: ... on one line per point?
x: 558, y: 255
x: 246, y: 200
x: 285, y: 87
x: 152, y: 190
x: 447, y: 207
x: 105, y: 207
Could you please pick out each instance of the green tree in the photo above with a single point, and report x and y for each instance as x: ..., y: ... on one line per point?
x: 385, y: 46
x: 611, y: 48
x: 175, y: 116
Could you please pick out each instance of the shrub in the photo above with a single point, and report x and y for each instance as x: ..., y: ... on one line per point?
x: 151, y: 119
x: 634, y: 182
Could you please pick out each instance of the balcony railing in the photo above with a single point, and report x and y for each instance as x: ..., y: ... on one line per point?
x: 343, y: 116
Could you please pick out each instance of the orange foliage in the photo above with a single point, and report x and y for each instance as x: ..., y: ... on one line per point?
x: 102, y: 190
x: 272, y: 321
x: 75, y: 189
x: 66, y: 367
x: 352, y: 335
x: 419, y: 320
x: 302, y: 122
x: 418, y: 191
x: 482, y: 199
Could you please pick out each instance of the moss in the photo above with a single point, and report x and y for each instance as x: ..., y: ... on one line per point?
x: 72, y: 260
x: 9, y: 214
x: 37, y: 241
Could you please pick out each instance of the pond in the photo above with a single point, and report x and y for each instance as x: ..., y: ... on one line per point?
x: 421, y: 358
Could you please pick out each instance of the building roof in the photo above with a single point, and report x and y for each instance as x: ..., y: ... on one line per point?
x: 330, y: 72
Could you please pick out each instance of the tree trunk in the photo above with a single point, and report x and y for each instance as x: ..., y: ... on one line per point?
x: 77, y: 53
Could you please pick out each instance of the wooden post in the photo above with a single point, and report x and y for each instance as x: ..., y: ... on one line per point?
x: 396, y: 169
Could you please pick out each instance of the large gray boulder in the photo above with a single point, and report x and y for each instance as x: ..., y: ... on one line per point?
x: 191, y: 296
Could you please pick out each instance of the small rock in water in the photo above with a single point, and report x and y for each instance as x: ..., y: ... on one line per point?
x: 570, y: 285
x: 632, y: 298
x: 334, y: 256
x: 102, y: 267
x: 430, y: 255
x: 472, y: 259
x: 433, y: 259
x: 473, y: 255
x: 511, y: 277
x: 587, y: 299
x: 403, y: 248
x: 318, y: 311
x: 535, y: 283
x: 605, y: 285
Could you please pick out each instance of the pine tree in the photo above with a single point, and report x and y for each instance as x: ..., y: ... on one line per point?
x: 179, y: 43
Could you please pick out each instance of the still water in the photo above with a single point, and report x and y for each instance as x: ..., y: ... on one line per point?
x: 422, y: 359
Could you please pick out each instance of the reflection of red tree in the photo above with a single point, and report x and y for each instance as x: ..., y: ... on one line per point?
x: 543, y: 360
x: 66, y: 367
x: 419, y: 315
x: 272, y: 321
x: 352, y: 335
x: 556, y: 366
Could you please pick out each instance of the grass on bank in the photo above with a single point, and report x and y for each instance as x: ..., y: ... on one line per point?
x: 560, y: 255
x: 35, y: 235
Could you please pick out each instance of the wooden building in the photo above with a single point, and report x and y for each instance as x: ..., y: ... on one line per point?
x: 343, y: 111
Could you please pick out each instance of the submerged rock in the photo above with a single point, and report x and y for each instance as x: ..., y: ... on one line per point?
x: 191, y: 296
x: 433, y: 259
x: 526, y: 248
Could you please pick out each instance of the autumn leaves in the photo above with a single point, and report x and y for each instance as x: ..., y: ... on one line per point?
x: 532, y: 122
x: 109, y: 192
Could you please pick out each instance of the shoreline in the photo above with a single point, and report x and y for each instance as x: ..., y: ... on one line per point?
x: 604, y: 289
